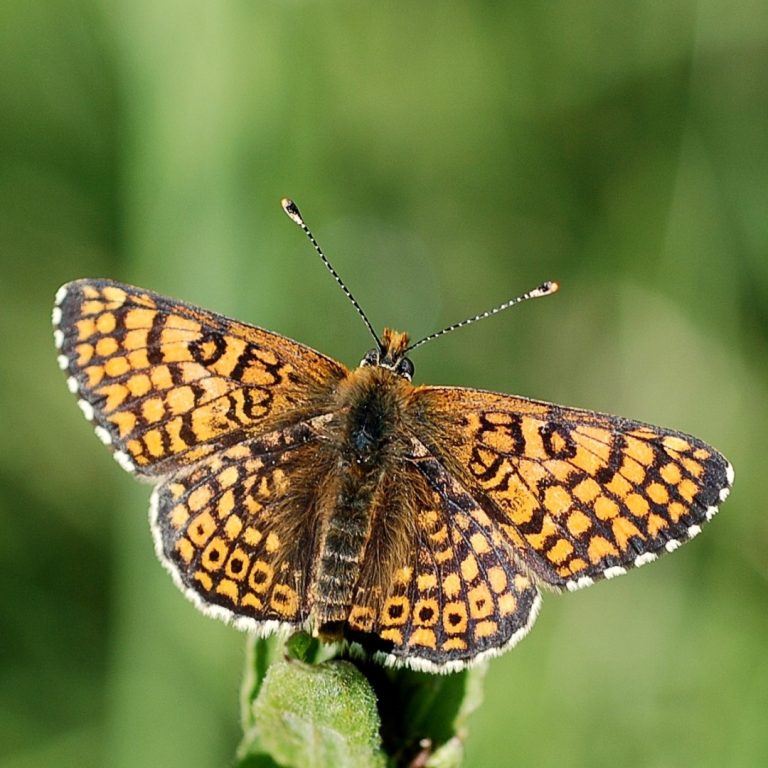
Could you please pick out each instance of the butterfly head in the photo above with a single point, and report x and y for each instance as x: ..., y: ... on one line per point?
x: 391, y: 354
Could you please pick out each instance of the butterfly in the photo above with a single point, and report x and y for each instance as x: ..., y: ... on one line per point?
x: 419, y: 523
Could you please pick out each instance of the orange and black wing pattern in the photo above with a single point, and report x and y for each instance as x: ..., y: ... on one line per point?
x: 461, y: 595
x: 167, y: 384
x: 579, y: 496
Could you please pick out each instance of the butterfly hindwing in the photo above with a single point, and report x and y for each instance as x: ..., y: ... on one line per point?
x: 460, y: 595
x: 579, y: 495
x: 236, y: 531
x: 167, y: 384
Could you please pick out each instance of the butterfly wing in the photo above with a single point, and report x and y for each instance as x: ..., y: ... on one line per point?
x: 238, y: 530
x: 458, y: 596
x: 167, y: 384
x: 578, y: 495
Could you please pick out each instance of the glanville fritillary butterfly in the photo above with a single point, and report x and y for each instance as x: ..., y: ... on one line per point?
x: 417, y: 522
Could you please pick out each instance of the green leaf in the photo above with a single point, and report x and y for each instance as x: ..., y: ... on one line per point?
x: 308, y: 715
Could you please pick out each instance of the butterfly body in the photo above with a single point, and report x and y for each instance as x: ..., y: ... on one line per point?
x: 418, y: 522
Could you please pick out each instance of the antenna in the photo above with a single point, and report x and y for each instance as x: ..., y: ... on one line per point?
x: 292, y: 210
x: 545, y: 289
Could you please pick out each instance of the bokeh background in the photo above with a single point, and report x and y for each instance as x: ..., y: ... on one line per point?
x: 447, y: 156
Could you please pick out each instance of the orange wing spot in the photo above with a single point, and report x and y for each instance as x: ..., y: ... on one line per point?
x: 423, y: 637
x: 454, y: 644
x: 227, y: 477
x: 106, y: 323
x: 125, y: 421
x: 534, y: 445
x: 455, y: 617
x: 444, y: 555
x: 201, y: 528
x: 497, y: 578
x: 600, y: 547
x: 237, y: 564
x: 623, y: 530
x: 395, y: 611
x: 577, y: 523
x: 637, y: 505
x: 451, y: 584
x: 114, y: 294
x: 676, y: 444
x: 273, y: 542
x: 233, y: 526
x: 116, y: 366
x: 469, y: 569
x: 619, y: 486
x: 522, y: 582
x: 92, y: 307
x: 586, y: 490
x: 139, y: 384
x: 179, y: 516
x: 177, y: 350
x: 136, y: 447
x: 84, y: 354
x: 479, y: 543
x: 139, y: 318
x: 115, y: 395
x: 251, y: 601
x: 200, y: 497
x: 655, y: 524
x: 90, y: 292
x: 261, y: 576
x: 161, y: 377
x: 633, y: 471
x: 702, y: 453
x: 426, y: 581
x: 557, y: 499
x: 670, y: 473
x: 577, y: 565
x: 640, y: 451
x: 480, y: 601
x: 606, y: 508
x: 185, y: 549
x: 215, y: 554
x: 153, y: 410
x: 676, y: 510
x: 507, y: 604
x: 182, y: 323
x: 252, y: 536
x: 106, y: 346
x: 440, y: 535
x: 657, y: 493
x: 361, y: 618
x: 138, y: 359
x: 228, y: 588
x: 393, y: 635
x: 596, y: 433
x: 226, y: 363
x: 136, y: 339
x: 225, y: 505
x: 693, y: 467
x: 95, y: 374
x: 177, y: 489
x: 586, y: 461
x: 403, y: 575
x: 173, y: 430
x: 203, y: 579
x: 426, y: 612
x: 85, y: 328
x: 486, y: 628
x: 688, y: 490
x: 560, y: 551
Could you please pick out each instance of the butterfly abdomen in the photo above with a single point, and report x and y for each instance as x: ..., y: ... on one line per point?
x: 365, y: 447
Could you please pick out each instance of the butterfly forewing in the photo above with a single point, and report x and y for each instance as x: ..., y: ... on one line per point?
x: 578, y: 495
x: 167, y: 383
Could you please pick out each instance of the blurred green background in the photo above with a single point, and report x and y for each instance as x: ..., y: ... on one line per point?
x: 447, y: 157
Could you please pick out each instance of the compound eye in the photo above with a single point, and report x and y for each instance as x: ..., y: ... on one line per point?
x: 405, y: 368
x: 371, y: 358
